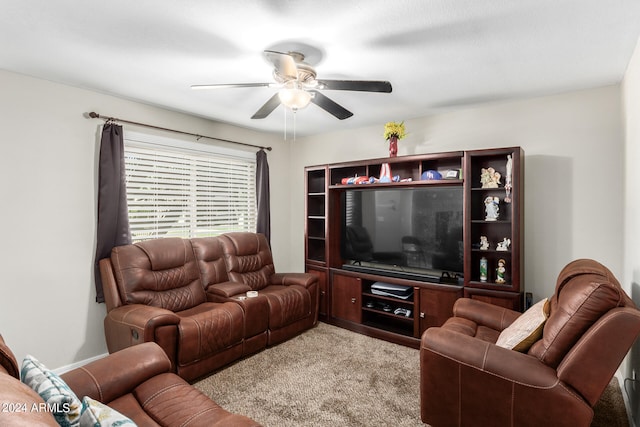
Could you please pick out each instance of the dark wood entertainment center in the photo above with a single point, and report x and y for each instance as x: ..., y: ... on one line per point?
x: 346, y: 297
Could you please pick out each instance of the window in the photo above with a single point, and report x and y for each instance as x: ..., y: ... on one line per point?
x: 178, y: 189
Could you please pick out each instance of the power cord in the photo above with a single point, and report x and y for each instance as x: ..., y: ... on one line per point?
x: 632, y: 381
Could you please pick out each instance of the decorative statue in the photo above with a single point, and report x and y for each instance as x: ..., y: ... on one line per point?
x: 507, y: 180
x: 484, y: 243
x: 491, y: 207
x: 504, y: 245
x: 489, y: 178
x: 500, y: 271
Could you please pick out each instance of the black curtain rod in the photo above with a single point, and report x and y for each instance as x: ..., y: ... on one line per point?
x: 94, y: 115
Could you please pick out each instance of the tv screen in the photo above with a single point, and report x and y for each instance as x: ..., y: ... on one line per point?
x: 416, y: 230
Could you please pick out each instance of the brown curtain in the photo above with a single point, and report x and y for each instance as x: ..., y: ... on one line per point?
x: 113, y: 218
x: 263, y: 224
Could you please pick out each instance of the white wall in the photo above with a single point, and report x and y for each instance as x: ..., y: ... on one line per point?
x: 573, y: 147
x: 631, y: 277
x: 48, y: 176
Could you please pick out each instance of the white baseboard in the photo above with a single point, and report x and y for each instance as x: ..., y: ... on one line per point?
x: 61, y: 370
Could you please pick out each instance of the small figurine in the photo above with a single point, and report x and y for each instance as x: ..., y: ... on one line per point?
x: 492, y: 209
x: 504, y: 245
x: 385, y: 173
x: 483, y: 269
x: 484, y: 243
x: 489, y: 178
x: 500, y: 271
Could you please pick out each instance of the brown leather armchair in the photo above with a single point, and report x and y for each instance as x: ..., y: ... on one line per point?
x: 467, y: 380
x: 136, y: 382
x: 153, y: 292
x: 292, y: 298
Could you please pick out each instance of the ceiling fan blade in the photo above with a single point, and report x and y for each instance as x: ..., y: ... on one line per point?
x: 231, y: 85
x: 330, y: 106
x: 357, y: 85
x: 285, y: 64
x: 267, y: 108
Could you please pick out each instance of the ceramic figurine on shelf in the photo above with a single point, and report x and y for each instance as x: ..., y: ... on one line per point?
x: 504, y: 245
x: 500, y: 271
x: 483, y: 269
x: 492, y: 208
x: 489, y: 178
x: 507, y: 180
x: 484, y: 243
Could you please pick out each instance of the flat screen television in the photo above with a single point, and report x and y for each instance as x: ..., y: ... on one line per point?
x: 410, y: 232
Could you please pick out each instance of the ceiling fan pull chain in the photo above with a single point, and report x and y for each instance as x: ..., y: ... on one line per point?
x: 284, y: 110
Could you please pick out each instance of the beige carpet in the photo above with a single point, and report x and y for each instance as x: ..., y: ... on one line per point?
x: 329, y: 376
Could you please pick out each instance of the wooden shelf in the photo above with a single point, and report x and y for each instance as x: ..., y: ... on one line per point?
x: 346, y: 293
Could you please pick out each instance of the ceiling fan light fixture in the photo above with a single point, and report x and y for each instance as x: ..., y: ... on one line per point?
x: 294, y: 97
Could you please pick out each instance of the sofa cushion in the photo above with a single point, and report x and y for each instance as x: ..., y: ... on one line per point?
x: 59, y: 398
x: 208, y: 329
x: 96, y: 414
x: 248, y: 259
x: 160, y: 273
x: 208, y: 252
x: 526, y: 329
x: 287, y: 304
x: 584, y: 292
x: 169, y: 398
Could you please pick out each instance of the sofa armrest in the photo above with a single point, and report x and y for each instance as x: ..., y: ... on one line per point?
x: 469, y: 381
x: 482, y: 313
x: 305, y: 280
x: 119, y: 373
x: 133, y: 324
x: 8, y: 362
x: 225, y: 290
x: 488, y: 358
x: 109, y: 285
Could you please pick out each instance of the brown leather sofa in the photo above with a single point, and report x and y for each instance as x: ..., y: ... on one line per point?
x: 292, y: 298
x: 467, y: 380
x: 189, y: 296
x: 137, y: 382
x: 153, y: 292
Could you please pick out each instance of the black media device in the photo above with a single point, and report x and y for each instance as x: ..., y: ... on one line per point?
x: 409, y: 232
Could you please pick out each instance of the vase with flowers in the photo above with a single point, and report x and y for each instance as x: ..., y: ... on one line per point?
x: 394, y: 131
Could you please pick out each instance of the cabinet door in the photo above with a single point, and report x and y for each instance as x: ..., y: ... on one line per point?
x: 346, y: 298
x: 322, y: 288
x: 436, y: 306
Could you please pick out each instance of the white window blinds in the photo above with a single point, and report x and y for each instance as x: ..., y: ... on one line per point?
x: 178, y: 192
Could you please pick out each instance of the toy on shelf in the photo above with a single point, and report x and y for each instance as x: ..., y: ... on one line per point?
x: 484, y: 243
x: 500, y: 271
x: 492, y: 208
x: 504, y: 245
x: 489, y: 178
x: 355, y: 180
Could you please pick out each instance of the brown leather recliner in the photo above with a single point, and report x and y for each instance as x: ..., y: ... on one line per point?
x: 153, y: 292
x: 136, y: 382
x: 467, y: 380
x: 213, y: 272
x: 292, y: 298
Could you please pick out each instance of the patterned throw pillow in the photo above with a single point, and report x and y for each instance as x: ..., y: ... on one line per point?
x: 526, y: 329
x: 97, y: 414
x: 59, y: 399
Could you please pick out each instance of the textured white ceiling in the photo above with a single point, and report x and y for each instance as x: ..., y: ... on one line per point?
x: 438, y: 54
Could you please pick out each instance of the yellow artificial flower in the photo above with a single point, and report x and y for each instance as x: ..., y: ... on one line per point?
x: 394, y: 129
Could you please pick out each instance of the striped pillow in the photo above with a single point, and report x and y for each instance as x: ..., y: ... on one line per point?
x: 59, y: 399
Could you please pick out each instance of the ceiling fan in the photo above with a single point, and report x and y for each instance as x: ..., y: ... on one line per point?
x: 298, y: 86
